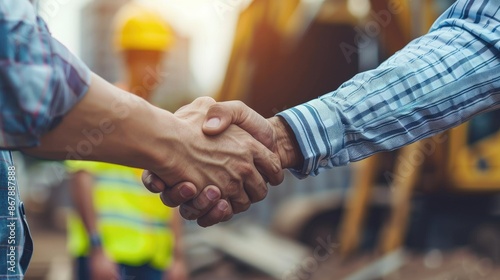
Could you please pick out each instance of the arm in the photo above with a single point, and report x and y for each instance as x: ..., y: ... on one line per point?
x: 105, y: 119
x: 178, y: 270
x: 81, y: 185
x: 57, y: 109
x: 81, y: 193
x: 436, y: 82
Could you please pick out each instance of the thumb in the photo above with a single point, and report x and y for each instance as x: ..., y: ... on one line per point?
x: 152, y: 182
x: 221, y: 115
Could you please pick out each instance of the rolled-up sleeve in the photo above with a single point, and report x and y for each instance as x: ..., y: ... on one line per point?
x: 436, y: 82
x: 40, y: 80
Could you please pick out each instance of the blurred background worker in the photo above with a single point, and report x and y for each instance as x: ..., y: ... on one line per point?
x: 121, y: 231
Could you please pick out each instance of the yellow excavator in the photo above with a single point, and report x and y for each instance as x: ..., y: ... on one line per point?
x: 287, y: 52
x: 474, y: 155
x: 463, y: 160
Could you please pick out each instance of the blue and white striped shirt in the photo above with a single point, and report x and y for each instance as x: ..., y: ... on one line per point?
x: 436, y: 82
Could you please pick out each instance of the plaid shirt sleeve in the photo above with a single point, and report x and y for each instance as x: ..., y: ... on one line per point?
x: 40, y: 80
x: 436, y: 82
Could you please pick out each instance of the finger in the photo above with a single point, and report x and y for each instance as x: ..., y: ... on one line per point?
x: 178, y: 194
x: 220, y: 212
x: 204, y: 100
x: 201, y: 204
x: 221, y: 115
x: 255, y: 187
x: 240, y: 201
x: 257, y: 190
x: 268, y: 164
x: 228, y: 214
x: 152, y: 182
x: 201, y: 104
x: 182, y: 109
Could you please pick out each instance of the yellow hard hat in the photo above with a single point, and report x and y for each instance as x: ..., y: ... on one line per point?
x: 140, y: 28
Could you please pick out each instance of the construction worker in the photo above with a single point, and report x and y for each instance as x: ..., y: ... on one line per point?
x: 120, y: 230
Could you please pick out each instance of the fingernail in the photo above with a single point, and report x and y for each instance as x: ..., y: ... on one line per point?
x: 186, y: 192
x: 212, y: 194
x: 277, y: 169
x: 155, y: 187
x: 222, y: 206
x: 277, y: 166
x: 213, y: 123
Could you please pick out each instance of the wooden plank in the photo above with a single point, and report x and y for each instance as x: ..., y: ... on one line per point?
x: 256, y: 247
x: 381, y: 267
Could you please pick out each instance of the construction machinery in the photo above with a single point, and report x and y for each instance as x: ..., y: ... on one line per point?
x: 287, y: 52
x: 264, y: 72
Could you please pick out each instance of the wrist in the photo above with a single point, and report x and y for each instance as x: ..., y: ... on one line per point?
x: 287, y: 147
x: 95, y: 244
x: 95, y: 241
x: 161, y: 151
x: 151, y: 133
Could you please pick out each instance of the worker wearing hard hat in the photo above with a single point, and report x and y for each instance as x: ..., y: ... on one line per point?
x: 143, y: 38
x: 120, y: 230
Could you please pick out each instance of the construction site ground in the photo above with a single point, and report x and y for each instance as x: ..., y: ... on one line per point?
x: 52, y: 262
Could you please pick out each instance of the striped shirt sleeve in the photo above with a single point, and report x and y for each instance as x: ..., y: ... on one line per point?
x: 436, y: 82
x: 40, y: 80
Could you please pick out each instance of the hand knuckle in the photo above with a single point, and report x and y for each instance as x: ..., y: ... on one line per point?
x: 232, y: 188
x: 199, y: 203
x: 167, y: 201
x: 241, y: 206
x: 248, y: 142
x: 189, y: 212
x: 206, y: 99
x: 246, y: 205
x: 239, y: 103
x: 246, y: 169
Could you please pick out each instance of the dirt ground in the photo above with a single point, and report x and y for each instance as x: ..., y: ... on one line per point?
x: 230, y: 270
x: 460, y: 264
x: 51, y: 262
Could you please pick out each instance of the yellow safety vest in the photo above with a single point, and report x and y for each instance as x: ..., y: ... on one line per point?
x: 133, y: 223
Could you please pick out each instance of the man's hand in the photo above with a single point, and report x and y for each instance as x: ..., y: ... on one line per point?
x: 274, y: 133
x: 101, y: 267
x: 233, y: 161
x: 177, y: 271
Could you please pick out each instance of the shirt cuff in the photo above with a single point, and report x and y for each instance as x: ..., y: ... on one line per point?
x: 320, y: 133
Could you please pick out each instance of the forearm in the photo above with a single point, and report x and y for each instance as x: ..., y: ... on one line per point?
x: 81, y: 194
x: 177, y: 229
x: 436, y: 82
x: 109, y: 125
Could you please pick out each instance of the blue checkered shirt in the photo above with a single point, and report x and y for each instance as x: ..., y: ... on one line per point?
x: 40, y: 81
x: 436, y: 82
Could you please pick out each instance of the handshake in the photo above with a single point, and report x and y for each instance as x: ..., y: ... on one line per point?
x: 221, y: 159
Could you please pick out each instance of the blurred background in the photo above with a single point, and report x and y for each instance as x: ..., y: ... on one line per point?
x: 428, y: 211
